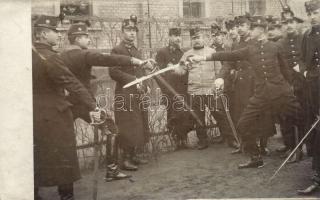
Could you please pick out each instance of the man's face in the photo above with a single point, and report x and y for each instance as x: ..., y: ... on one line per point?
x: 129, y: 34
x: 233, y: 32
x: 218, y: 39
x: 257, y: 32
x: 197, y: 41
x: 51, y: 36
x: 275, y: 32
x: 175, y: 40
x: 243, y: 29
x: 291, y: 26
x: 315, y: 17
x: 83, y: 41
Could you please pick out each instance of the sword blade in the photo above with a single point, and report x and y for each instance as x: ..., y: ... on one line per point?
x: 295, y: 149
x: 143, y: 78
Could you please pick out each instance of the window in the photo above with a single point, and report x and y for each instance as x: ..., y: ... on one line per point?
x: 193, y: 8
x: 76, y: 7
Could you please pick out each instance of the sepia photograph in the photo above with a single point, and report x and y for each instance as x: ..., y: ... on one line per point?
x: 170, y: 99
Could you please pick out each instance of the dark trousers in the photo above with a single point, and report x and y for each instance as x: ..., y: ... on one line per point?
x: 313, y: 88
x: 284, y: 106
x: 198, y: 103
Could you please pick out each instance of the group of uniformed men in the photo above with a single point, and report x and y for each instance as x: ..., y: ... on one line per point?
x: 268, y: 68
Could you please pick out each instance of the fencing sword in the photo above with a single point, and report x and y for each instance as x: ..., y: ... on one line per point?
x: 94, y: 124
x: 231, y: 124
x: 295, y: 149
x: 161, y: 71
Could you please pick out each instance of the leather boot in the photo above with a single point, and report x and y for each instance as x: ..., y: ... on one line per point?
x: 128, y: 165
x: 282, y: 149
x: 66, y: 192
x: 138, y: 161
x: 113, y: 173
x: 296, y: 157
x: 309, y: 190
x: 254, y: 162
x: 202, y: 145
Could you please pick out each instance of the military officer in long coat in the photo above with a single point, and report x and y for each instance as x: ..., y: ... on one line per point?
x: 272, y: 90
x: 291, y: 46
x: 174, y: 87
x: 130, y: 108
x: 311, y: 57
x: 80, y: 60
x: 55, y: 156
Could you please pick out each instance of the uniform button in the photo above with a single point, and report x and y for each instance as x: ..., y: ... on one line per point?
x: 317, y: 33
x: 295, y: 63
x: 317, y: 59
x: 173, y: 59
x: 240, y: 78
x: 316, y: 53
x: 293, y: 51
x: 238, y: 61
x: 291, y: 40
x: 265, y: 72
x: 261, y: 46
x: 262, y: 52
x: 318, y: 65
x: 266, y: 79
x: 292, y: 45
x: 262, y: 60
x: 263, y: 66
x: 293, y: 56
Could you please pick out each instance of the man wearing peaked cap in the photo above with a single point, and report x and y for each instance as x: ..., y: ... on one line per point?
x: 130, y: 23
x: 78, y: 29
x: 258, y: 21
x: 291, y: 50
x: 311, y: 58
x: 274, y: 29
x: 44, y: 21
x: 201, y: 77
x: 130, y: 116
x: 272, y: 89
x: 173, y: 85
x: 55, y: 155
x: 80, y: 60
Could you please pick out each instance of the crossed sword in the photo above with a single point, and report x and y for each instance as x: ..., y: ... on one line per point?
x: 174, y: 67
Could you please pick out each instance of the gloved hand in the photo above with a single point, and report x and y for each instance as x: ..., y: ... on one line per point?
x: 219, y: 83
x: 97, y: 116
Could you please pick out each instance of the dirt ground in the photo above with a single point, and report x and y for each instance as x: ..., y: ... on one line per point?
x: 210, y: 173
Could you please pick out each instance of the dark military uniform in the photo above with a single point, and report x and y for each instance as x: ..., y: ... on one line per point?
x: 171, y: 86
x: 311, y: 58
x: 272, y: 91
x: 80, y: 62
x: 130, y: 116
x: 291, y: 44
x: 55, y: 156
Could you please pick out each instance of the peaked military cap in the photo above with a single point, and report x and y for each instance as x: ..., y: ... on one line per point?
x: 78, y: 29
x: 258, y: 21
x: 194, y: 32
x: 130, y: 23
x: 46, y: 21
x: 175, y: 31
x: 243, y: 19
x: 274, y: 23
x: 312, y: 5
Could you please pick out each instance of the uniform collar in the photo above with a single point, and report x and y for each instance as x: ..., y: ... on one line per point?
x: 40, y: 45
x: 72, y: 47
x: 128, y: 44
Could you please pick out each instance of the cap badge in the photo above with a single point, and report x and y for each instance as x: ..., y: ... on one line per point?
x: 47, y: 21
